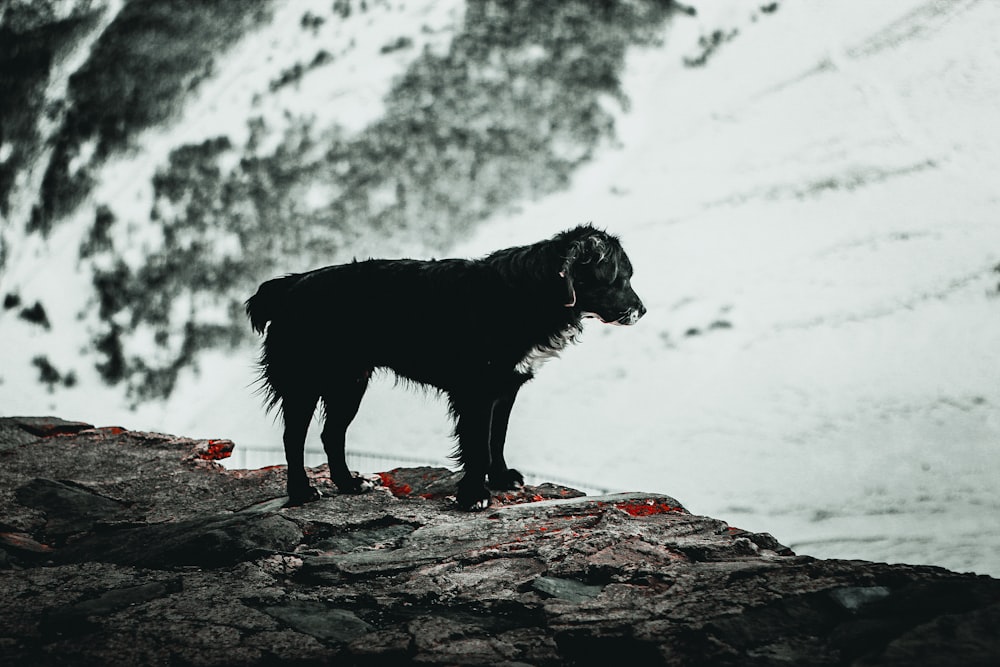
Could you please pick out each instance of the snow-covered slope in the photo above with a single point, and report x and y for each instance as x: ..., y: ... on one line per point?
x: 815, y: 225
x: 820, y: 205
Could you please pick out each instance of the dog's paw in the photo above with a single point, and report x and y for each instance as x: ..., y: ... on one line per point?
x: 507, y: 480
x: 473, y: 499
x: 355, y: 485
x: 298, y: 497
x: 473, y: 505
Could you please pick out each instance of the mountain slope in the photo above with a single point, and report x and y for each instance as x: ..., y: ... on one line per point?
x: 814, y: 225
x: 212, y: 146
x: 807, y: 195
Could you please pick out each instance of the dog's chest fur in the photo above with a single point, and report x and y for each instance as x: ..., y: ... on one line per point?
x: 541, y: 353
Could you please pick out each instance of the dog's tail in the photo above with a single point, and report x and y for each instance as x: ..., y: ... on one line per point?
x: 266, y: 303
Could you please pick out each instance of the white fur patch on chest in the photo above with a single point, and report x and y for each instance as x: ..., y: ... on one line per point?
x: 539, y: 354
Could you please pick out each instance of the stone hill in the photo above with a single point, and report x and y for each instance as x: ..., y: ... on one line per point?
x: 123, y: 548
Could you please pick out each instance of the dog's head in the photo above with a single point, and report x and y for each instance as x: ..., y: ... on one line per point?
x: 597, y: 275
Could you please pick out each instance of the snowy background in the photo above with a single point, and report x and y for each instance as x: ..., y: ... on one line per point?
x: 809, y: 192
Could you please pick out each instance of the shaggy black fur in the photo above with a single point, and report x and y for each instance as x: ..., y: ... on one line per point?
x: 473, y: 329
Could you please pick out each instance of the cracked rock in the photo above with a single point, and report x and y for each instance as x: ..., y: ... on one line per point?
x: 123, y: 548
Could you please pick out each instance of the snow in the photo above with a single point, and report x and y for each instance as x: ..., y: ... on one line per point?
x: 346, y: 92
x: 30, y: 179
x: 826, y: 186
x: 838, y: 209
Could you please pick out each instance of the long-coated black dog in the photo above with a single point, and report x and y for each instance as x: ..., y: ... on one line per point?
x: 474, y: 329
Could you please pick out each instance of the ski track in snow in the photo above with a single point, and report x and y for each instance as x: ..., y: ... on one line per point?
x: 818, y: 203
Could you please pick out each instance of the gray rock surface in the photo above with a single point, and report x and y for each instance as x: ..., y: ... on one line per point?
x: 125, y: 548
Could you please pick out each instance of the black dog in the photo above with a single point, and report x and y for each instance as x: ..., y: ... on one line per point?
x: 474, y: 329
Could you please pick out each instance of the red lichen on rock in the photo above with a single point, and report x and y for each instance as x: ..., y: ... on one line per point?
x: 217, y: 449
x: 23, y: 542
x: 549, y: 529
x: 519, y: 497
x: 47, y: 427
x: 210, y: 450
x: 397, y: 489
x: 648, y: 507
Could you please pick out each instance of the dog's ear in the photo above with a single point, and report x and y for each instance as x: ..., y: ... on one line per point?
x: 566, y: 271
x: 570, y: 291
x: 593, y: 248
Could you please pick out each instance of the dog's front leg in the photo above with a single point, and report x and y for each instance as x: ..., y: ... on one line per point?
x: 501, y: 477
x: 472, y: 427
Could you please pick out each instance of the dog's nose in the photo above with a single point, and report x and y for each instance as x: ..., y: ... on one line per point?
x: 634, y: 314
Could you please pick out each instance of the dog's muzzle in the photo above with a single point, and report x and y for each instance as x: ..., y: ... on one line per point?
x: 632, y: 316
x: 627, y: 318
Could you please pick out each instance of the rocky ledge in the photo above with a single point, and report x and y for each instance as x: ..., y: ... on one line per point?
x: 126, y: 548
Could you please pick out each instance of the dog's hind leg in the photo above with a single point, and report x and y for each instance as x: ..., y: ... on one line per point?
x: 297, y: 411
x: 341, y: 402
x: 500, y: 476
